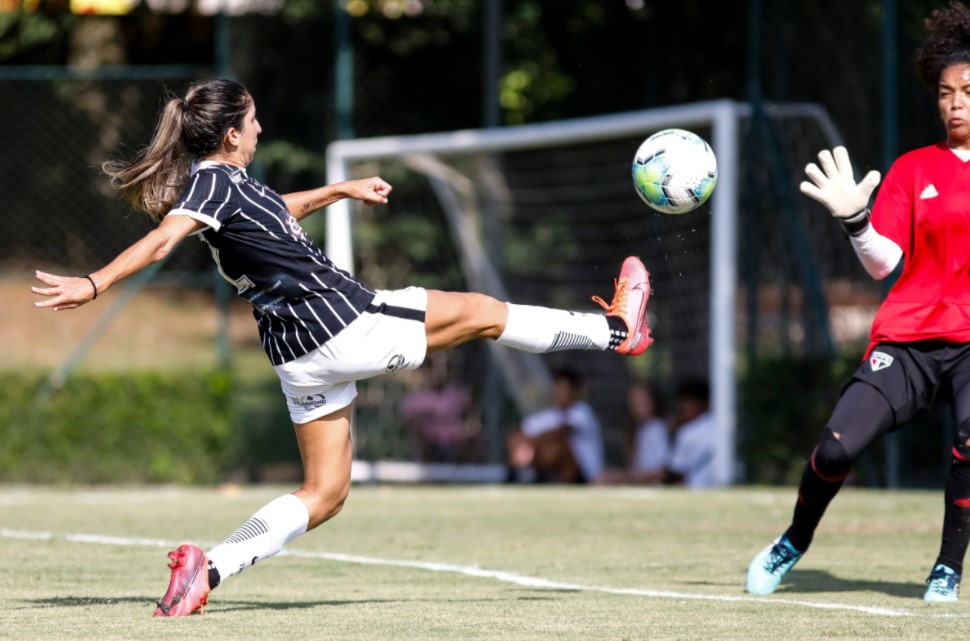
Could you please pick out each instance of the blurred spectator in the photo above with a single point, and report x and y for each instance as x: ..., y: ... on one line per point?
x: 561, y: 444
x: 651, y: 437
x: 648, y: 437
x: 437, y: 415
x: 691, y: 458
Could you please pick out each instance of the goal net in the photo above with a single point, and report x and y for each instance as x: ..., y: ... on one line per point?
x: 544, y: 214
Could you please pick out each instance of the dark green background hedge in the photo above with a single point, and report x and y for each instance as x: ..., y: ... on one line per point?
x: 119, y: 428
x: 198, y: 427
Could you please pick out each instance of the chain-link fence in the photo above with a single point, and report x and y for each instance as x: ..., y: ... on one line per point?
x: 801, y: 289
x: 59, y: 209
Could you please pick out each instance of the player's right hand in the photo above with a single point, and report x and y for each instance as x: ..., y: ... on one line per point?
x: 834, y: 185
x: 370, y: 191
x: 63, y: 292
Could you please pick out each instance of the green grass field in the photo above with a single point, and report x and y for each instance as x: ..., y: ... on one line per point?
x: 475, y: 563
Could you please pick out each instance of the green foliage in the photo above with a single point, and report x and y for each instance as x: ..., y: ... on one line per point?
x: 120, y: 428
x: 785, y: 403
x: 31, y: 34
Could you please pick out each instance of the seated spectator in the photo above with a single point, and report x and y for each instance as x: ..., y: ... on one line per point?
x: 692, y: 458
x: 561, y: 444
x: 691, y: 461
x: 437, y: 416
x: 648, y: 438
x: 651, y: 439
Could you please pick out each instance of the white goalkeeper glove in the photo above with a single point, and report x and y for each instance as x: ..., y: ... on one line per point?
x: 835, y: 187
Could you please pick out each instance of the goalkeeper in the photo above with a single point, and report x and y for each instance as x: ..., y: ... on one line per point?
x: 919, y: 352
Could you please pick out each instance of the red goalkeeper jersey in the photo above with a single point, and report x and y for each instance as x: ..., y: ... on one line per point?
x: 924, y: 206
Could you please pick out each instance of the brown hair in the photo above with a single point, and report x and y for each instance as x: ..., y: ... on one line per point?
x: 947, y: 42
x: 189, y: 128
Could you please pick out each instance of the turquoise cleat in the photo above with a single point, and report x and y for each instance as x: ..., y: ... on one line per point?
x: 943, y: 586
x: 771, y: 565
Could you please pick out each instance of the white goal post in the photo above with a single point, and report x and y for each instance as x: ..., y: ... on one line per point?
x: 720, y: 117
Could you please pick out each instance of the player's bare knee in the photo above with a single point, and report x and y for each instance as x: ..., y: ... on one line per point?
x: 325, y: 503
x: 489, y: 314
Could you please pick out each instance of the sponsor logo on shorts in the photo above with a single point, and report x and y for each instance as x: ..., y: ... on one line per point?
x: 396, y: 363
x: 310, y: 401
x: 880, y: 360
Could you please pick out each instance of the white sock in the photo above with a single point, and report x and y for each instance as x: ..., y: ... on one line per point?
x: 263, y: 535
x: 541, y: 330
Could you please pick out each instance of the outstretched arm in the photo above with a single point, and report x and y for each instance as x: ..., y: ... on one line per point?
x: 835, y: 187
x: 68, y: 292
x: 370, y: 191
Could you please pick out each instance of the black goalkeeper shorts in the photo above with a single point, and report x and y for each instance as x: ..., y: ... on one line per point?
x: 915, y: 376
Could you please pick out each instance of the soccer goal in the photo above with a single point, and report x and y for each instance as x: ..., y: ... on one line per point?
x: 544, y: 214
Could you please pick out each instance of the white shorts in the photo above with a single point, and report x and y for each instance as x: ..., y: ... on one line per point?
x: 388, y: 337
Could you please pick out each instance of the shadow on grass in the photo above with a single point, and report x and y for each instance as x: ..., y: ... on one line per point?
x: 82, y: 601
x: 236, y: 605
x: 803, y: 581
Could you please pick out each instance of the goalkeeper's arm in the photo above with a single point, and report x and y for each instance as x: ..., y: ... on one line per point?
x: 878, y: 254
x: 835, y: 187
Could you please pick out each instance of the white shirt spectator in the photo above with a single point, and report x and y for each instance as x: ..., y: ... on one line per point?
x: 584, y: 438
x: 651, y: 448
x: 693, y: 452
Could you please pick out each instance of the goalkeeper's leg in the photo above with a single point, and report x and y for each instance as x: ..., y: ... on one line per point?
x: 944, y: 580
x: 861, y: 416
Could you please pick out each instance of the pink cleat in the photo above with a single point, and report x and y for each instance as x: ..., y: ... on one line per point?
x: 188, y: 589
x: 630, y: 305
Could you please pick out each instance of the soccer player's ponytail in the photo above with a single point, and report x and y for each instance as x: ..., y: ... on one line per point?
x: 189, y: 128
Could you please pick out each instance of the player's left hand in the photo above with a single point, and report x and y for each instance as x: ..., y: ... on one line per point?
x: 63, y: 292
x: 370, y: 191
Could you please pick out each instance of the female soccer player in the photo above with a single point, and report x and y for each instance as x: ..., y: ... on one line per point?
x: 920, y: 342
x: 321, y: 329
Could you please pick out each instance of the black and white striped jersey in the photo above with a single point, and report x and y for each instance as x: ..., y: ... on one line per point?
x: 300, y: 298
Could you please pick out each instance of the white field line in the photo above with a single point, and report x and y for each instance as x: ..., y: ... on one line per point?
x: 497, y: 575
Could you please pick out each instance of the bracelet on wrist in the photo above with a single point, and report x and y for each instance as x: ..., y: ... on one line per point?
x: 856, y: 224
x: 93, y: 286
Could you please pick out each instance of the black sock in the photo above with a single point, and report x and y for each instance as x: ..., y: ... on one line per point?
x: 956, y: 517
x: 214, y: 578
x: 618, y: 331
x: 815, y: 492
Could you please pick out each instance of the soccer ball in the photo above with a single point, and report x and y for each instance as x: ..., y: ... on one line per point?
x: 674, y: 171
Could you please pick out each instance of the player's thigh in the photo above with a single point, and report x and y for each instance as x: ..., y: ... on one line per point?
x: 958, y: 378
x: 861, y: 416
x: 896, y: 381
x: 960, y: 381
x: 454, y: 318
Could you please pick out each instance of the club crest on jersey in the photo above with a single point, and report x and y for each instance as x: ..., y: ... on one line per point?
x: 880, y: 360
x: 295, y: 230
